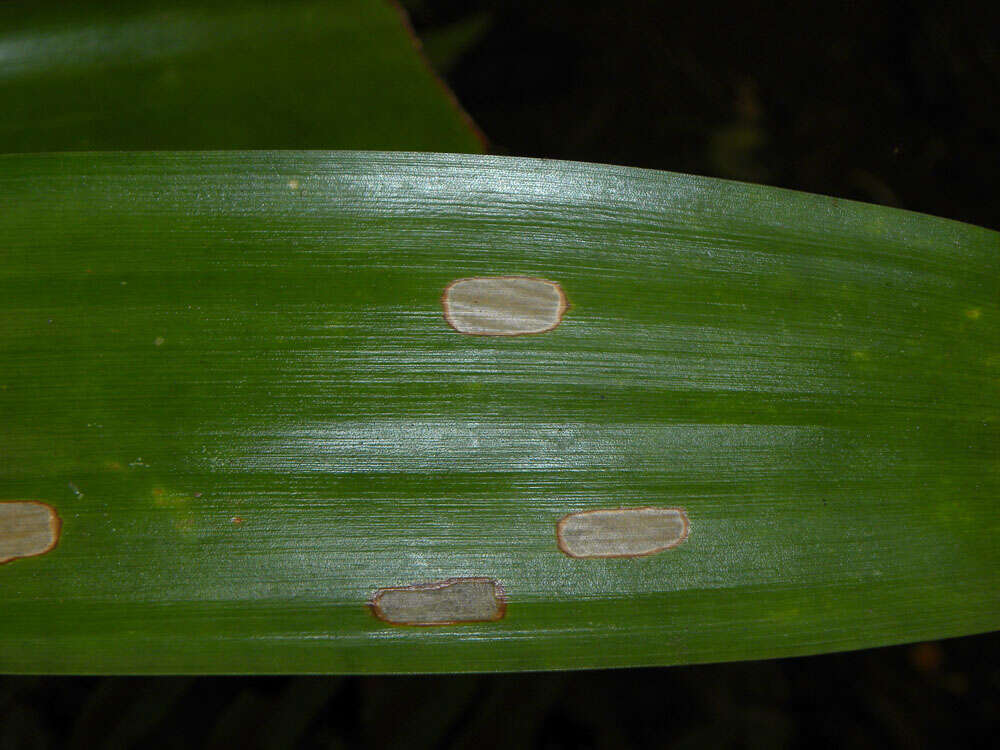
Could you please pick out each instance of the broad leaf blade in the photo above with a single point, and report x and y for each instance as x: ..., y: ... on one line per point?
x: 219, y: 74
x: 230, y: 374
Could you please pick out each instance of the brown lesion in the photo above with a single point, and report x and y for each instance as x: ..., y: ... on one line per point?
x: 28, y: 528
x: 485, y: 601
x: 452, y: 319
x: 629, y: 532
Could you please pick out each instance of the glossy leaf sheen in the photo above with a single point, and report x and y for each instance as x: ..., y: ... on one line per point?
x: 230, y: 374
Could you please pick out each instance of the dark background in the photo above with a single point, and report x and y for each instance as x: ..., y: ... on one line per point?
x: 886, y: 102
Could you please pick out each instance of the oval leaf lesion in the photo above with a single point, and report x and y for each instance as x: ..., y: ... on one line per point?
x: 27, y: 528
x: 449, y: 602
x: 621, y: 532
x: 503, y: 305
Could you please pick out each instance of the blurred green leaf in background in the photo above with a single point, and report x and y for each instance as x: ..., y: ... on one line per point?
x: 321, y: 74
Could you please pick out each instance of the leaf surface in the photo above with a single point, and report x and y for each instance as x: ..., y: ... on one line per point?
x: 230, y: 375
x: 219, y: 74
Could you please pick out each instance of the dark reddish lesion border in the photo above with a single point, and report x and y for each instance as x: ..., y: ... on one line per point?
x: 55, y: 524
x: 498, y: 593
x: 562, y: 521
x: 563, y: 305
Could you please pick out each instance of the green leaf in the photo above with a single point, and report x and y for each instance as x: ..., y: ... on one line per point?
x: 230, y: 375
x: 219, y: 74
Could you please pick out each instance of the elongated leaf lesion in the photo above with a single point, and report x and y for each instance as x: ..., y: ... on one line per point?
x: 27, y: 528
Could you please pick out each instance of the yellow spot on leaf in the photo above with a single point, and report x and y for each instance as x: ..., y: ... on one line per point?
x: 176, y: 505
x: 974, y: 313
x: 169, y: 499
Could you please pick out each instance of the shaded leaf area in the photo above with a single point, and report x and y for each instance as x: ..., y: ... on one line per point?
x: 887, y: 102
x: 219, y: 74
x: 922, y: 696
